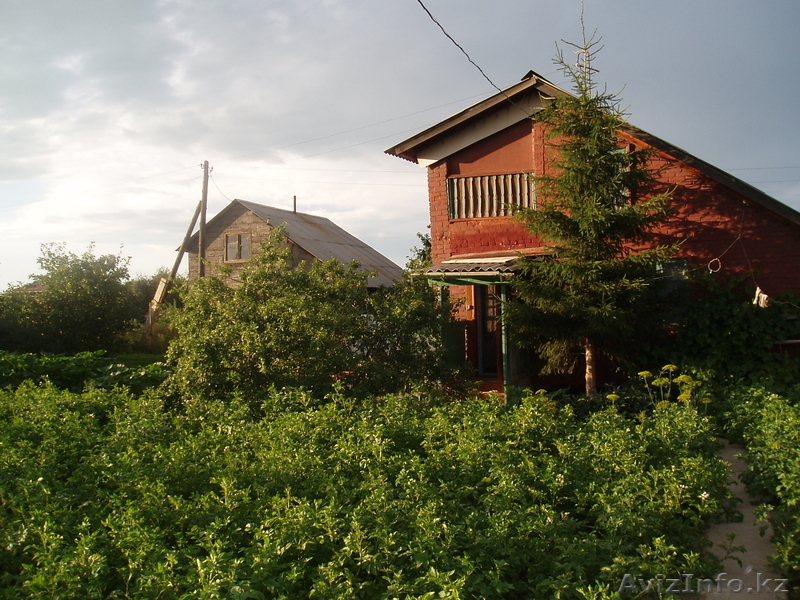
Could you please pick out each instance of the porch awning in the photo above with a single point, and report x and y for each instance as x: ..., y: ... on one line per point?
x: 480, y: 269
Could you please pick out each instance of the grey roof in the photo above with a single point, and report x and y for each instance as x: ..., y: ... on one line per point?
x: 324, y: 240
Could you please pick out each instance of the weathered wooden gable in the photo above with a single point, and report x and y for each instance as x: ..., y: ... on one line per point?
x: 236, y: 220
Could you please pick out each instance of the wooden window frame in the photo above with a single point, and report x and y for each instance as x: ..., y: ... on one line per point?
x: 243, y: 247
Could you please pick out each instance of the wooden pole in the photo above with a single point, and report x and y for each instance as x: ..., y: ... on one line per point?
x: 201, y: 238
x: 185, y: 241
x: 165, y: 284
x: 591, y: 376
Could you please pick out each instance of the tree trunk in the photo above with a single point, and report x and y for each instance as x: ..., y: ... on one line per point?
x: 591, y: 379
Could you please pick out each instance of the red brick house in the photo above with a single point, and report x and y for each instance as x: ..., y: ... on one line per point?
x: 478, y: 162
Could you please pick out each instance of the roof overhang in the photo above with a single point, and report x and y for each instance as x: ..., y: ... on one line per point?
x: 515, y: 104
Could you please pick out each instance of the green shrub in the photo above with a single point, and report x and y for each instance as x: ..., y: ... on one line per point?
x: 770, y: 427
x: 724, y: 337
x: 75, y: 372
x: 79, y: 303
x: 306, y: 327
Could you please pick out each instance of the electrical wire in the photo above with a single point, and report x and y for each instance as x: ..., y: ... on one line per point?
x: 464, y: 52
x: 214, y: 181
x: 325, y: 137
x: 272, y: 179
x: 469, y: 58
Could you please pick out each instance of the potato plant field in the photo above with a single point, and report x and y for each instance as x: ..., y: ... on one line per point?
x: 770, y: 427
x: 107, y: 494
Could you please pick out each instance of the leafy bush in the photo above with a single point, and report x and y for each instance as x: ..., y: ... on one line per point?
x: 74, y: 373
x: 770, y: 428
x: 724, y: 336
x: 306, y: 327
x: 107, y: 495
x: 78, y: 304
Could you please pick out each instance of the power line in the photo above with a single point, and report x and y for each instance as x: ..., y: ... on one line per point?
x: 324, y: 137
x: 464, y: 52
x: 469, y: 58
x: 84, y: 192
x: 272, y: 179
x: 777, y: 181
x: 218, y: 189
x: 761, y: 168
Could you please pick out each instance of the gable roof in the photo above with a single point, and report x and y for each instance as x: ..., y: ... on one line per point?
x: 324, y: 240
x: 522, y: 101
x: 512, y: 105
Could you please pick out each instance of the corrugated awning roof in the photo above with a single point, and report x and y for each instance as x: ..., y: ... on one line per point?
x: 492, y: 266
x: 495, y: 267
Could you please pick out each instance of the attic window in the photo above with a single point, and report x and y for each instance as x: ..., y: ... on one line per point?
x: 237, y: 247
x: 489, y: 195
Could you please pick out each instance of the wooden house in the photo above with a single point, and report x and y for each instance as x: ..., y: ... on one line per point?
x: 235, y: 234
x: 478, y: 163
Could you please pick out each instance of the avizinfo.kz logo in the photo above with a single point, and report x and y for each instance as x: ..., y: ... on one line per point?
x: 721, y: 584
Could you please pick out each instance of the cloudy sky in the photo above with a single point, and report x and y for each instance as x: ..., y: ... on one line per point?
x: 109, y: 107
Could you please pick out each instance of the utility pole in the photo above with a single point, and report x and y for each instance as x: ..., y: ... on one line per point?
x: 165, y: 283
x: 201, y: 238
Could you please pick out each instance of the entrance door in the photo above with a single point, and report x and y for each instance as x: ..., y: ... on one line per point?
x: 487, y: 306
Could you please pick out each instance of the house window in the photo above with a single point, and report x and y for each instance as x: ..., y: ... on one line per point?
x: 489, y: 195
x: 237, y: 247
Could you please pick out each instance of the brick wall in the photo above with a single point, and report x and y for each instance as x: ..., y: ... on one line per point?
x: 709, y: 217
x: 714, y: 222
x: 440, y: 223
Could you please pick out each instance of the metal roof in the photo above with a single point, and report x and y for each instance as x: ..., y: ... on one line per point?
x: 488, y: 265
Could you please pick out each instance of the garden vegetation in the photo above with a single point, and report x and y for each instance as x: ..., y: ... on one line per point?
x: 105, y: 494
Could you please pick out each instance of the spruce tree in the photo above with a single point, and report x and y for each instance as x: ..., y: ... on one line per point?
x: 586, y: 297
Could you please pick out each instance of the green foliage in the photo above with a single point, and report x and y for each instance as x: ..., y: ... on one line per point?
x: 421, y: 255
x: 770, y: 427
x: 307, y: 327
x: 142, y: 288
x: 724, y: 336
x: 76, y: 372
x: 106, y: 495
x: 648, y: 391
x: 591, y: 293
x: 80, y: 303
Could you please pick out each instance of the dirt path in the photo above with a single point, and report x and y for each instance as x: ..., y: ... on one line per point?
x: 754, y: 579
